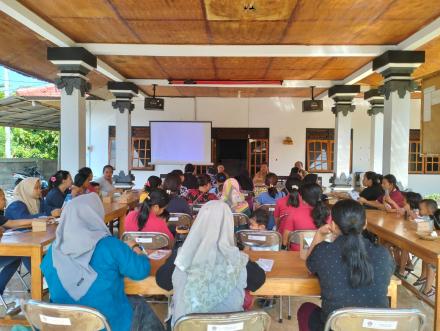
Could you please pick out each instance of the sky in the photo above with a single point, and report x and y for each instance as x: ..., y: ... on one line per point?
x: 17, y: 80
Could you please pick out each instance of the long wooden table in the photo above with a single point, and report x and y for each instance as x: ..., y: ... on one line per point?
x: 402, y: 233
x: 288, y: 277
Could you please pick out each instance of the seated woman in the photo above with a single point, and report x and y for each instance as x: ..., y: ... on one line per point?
x: 271, y: 196
x: 148, y: 218
x: 86, y: 265
x: 285, y: 205
x: 391, y: 201
x: 59, y: 185
x: 27, y: 201
x: 208, y: 273
x: 352, y: 271
x: 152, y: 183
x: 232, y: 195
x: 177, y: 204
x: 428, y: 208
x: 373, y: 190
x: 311, y: 213
x: 89, y: 174
x: 10, y: 264
x: 201, y: 194
x: 183, y: 189
x: 247, y: 186
x: 80, y: 185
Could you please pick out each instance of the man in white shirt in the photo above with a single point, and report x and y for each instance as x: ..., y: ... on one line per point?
x: 106, y: 181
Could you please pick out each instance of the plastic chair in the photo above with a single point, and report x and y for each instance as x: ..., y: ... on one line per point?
x: 148, y: 240
x: 263, y: 240
x: 259, y: 240
x: 295, y: 236
x: 180, y: 219
x: 52, y: 317
x: 369, y: 319
x: 240, y: 220
x: 245, y: 321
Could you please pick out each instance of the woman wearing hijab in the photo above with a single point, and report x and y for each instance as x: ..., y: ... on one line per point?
x: 86, y: 265
x: 27, y: 201
x: 208, y: 273
x: 232, y: 195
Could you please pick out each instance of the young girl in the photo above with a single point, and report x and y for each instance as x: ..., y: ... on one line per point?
x: 311, y: 213
x: 201, y: 195
x: 148, y: 218
x: 428, y: 207
x: 59, y: 185
x: 373, y: 190
x: 352, y: 271
x: 81, y: 184
x: 286, y: 204
x: 152, y: 183
x: 271, y: 196
x: 177, y: 204
x: 391, y: 201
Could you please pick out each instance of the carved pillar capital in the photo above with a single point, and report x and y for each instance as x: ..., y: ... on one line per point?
x: 123, y: 105
x: 69, y: 83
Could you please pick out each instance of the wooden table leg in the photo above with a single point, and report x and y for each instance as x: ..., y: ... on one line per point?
x: 437, y: 301
x: 393, y: 296
x: 121, y: 225
x: 36, y: 275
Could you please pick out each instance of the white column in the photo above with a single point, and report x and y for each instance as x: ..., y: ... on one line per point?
x: 123, y: 141
x: 376, y: 143
x: 73, y: 131
x: 396, y: 136
x: 342, y: 144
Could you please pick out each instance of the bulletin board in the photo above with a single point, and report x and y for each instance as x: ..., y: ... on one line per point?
x: 430, y: 115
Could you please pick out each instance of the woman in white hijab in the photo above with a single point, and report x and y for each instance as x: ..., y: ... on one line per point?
x: 209, y: 273
x: 86, y: 265
x: 28, y: 202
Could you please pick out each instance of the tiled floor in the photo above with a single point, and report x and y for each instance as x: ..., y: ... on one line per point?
x: 405, y: 299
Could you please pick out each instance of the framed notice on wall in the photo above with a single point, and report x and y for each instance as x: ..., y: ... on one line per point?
x: 430, y: 116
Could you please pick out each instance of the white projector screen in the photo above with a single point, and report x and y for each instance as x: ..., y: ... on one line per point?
x: 180, y: 142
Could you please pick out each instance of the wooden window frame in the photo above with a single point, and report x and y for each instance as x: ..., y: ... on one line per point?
x: 254, y: 167
x: 137, y: 133
x: 414, y: 138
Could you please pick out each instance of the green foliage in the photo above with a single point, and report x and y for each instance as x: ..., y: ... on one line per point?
x: 39, y: 144
x: 434, y: 196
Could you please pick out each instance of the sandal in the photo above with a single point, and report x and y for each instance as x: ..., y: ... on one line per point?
x: 430, y: 293
x: 420, y: 281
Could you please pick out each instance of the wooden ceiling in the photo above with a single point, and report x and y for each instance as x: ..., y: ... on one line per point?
x: 307, y: 22
x: 296, y: 22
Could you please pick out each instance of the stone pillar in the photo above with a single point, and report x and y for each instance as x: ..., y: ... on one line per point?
x: 376, y: 99
x: 343, y: 96
x: 396, y: 68
x: 124, y: 92
x: 74, y: 64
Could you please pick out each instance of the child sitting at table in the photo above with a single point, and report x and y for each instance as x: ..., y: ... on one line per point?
x: 428, y: 207
x: 410, y: 211
x: 271, y: 196
x: 152, y: 183
x: 201, y: 194
x: 259, y: 221
x: 391, y: 201
x: 352, y: 271
x: 150, y: 217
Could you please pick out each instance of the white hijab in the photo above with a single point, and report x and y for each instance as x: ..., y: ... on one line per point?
x: 210, y: 259
x: 24, y: 192
x: 80, y: 229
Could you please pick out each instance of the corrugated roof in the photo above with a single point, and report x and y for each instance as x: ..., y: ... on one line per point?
x: 18, y: 112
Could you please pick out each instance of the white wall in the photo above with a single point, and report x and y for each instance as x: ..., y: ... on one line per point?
x: 283, y: 117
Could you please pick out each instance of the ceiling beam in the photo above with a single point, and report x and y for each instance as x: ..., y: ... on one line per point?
x: 35, y: 23
x: 286, y: 84
x: 416, y: 40
x: 237, y: 50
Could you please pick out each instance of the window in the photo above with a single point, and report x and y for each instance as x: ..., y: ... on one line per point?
x: 258, y: 153
x: 140, y: 148
x: 418, y: 163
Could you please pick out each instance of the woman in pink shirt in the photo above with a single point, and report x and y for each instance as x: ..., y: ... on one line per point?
x: 288, y: 203
x: 310, y: 214
x: 148, y: 218
x: 392, y: 201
